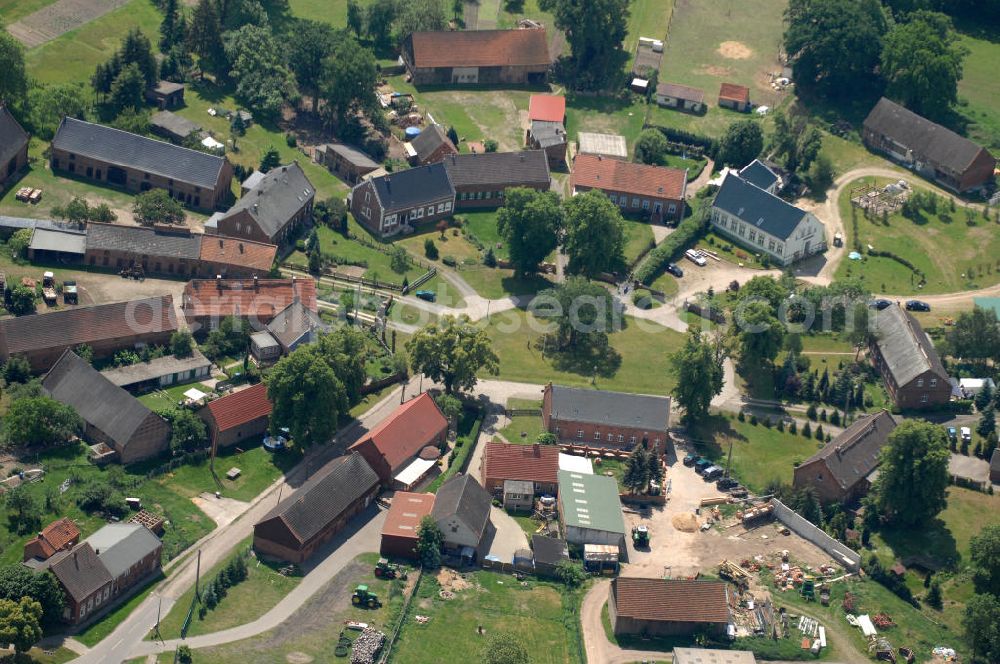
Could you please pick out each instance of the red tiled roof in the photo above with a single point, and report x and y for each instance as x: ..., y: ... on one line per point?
x: 594, y: 172
x: 671, y: 600
x: 262, y: 299
x: 548, y: 108
x: 407, y: 430
x: 536, y: 463
x: 241, y: 253
x: 480, y: 48
x: 238, y: 408
x: 405, y: 513
x: 733, y: 92
x: 55, y: 536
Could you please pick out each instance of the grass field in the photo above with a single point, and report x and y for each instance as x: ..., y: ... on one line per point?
x: 760, y: 454
x: 638, y: 239
x: 39, y: 656
x: 528, y: 425
x: 944, y: 246
x: 259, y: 470
x: 604, y: 115
x: 14, y: 10
x: 647, y: 18
x: 495, y: 602
x: 979, y: 90
x: 636, y: 360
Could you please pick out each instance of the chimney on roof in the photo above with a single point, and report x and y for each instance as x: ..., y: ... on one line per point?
x: 218, y: 282
x: 41, y: 535
x: 256, y: 283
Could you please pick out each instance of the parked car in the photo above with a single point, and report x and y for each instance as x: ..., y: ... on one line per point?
x: 689, y: 459
x: 952, y: 434
x: 726, y: 483
x: 712, y: 473
x: 917, y: 305
x: 675, y: 270
x: 701, y: 464
x: 880, y: 304
x: 430, y: 296
x: 695, y: 257
x: 966, y: 435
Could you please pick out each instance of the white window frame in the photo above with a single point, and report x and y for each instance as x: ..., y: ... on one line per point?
x: 579, y: 434
x: 635, y: 202
x: 597, y: 435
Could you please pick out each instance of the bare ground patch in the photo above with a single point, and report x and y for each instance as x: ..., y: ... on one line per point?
x: 715, y: 70
x: 735, y: 50
x: 57, y: 19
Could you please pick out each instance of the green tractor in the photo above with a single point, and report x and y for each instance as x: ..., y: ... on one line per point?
x: 640, y: 537
x: 808, y: 590
x: 386, y: 570
x: 363, y: 597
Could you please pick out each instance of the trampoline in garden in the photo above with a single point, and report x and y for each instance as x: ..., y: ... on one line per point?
x: 412, y: 132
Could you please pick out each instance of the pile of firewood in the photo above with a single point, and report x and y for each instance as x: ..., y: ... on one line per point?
x: 367, y: 646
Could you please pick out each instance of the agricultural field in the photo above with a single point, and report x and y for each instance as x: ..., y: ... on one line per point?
x: 955, y: 251
x: 979, y: 90
x: 13, y: 10
x: 636, y: 359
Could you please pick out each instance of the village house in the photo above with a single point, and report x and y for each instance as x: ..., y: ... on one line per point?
x: 206, y: 302
x: 160, y: 372
x: 609, y: 146
x: 546, y: 127
x: 232, y: 258
x: 172, y: 127
x: 905, y: 357
x: 349, y: 163
x: 106, y: 328
x: 130, y: 552
x: 597, y: 418
x: 111, y: 415
x: 842, y: 470
x: 58, y: 535
x: 398, y: 202
x: 318, y: 510
x: 136, y: 163
x: 238, y: 416
x: 481, y: 180
x: 765, y: 224
x: 681, y: 97
x: 934, y: 151
x: 477, y: 57
x: 272, y: 211
x: 85, y: 582
x: 506, y: 466
x: 462, y: 512
x: 399, y: 532
x: 761, y: 176
x: 668, y: 607
x: 736, y: 97
x: 429, y: 146
x: 548, y: 552
x: 652, y: 191
x: 166, y: 94
x: 590, y: 510
x: 394, y: 447
x: 294, y: 326
x: 13, y: 146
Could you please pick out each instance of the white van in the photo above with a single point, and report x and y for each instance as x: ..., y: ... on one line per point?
x: 966, y: 435
x: 695, y: 257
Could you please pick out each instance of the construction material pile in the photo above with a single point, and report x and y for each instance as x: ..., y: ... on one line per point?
x: 367, y: 646
x: 757, y: 513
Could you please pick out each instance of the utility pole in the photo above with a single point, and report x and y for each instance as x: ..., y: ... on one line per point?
x: 197, y: 576
x: 158, y: 607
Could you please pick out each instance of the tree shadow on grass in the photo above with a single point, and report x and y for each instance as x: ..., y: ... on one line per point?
x: 929, y: 545
x: 706, y: 435
x: 587, y: 358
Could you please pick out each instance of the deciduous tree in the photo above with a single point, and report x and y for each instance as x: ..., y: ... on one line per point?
x: 759, y: 335
x: 975, y: 335
x: 451, y: 352
x: 742, y: 142
x: 204, y: 38
x: 982, y: 615
x: 984, y: 553
x: 306, y: 396
x: 40, y: 421
x: 49, y: 104
x: 187, y: 431
x: 651, y: 146
x: 17, y: 581
x: 697, y: 366
x: 310, y: 43
x: 421, y: 16
x: 156, y: 206
x: 348, y: 80
x: 24, y: 513
x: 181, y: 343
x: 20, y: 623
x: 504, y: 648
x: 429, y: 541
x: 913, y: 473
x: 257, y: 65
x: 595, y: 31
x: 13, y: 75
x: 529, y: 223
x: 583, y: 311
x: 595, y: 235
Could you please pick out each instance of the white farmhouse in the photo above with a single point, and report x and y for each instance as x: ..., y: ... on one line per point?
x: 748, y: 212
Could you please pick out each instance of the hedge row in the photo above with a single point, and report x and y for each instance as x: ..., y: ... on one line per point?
x: 688, y: 232
x: 674, y: 135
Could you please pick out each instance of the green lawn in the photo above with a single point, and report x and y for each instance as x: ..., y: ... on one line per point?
x: 647, y: 18
x: 167, y: 398
x: 727, y: 250
x: 511, y: 12
x: 348, y: 252
x: 39, y: 656
x: 604, y: 115
x: 636, y: 360
x: 333, y: 12
x: 529, y: 425
x: 259, y: 470
x: 96, y: 633
x: 483, y: 224
x: 638, y: 239
x: 760, y: 454
x: 979, y: 90
x: 74, y: 55
x: 943, y: 245
x: 494, y: 283
x: 14, y: 10
x: 245, y: 602
x: 452, y: 244
x: 497, y: 603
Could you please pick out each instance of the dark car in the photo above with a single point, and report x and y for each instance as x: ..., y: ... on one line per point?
x: 689, y: 459
x: 880, y: 304
x: 675, y: 270
x: 917, y: 305
x: 701, y: 464
x: 430, y: 296
x: 726, y: 483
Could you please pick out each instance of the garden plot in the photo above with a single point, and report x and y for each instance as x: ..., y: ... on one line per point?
x: 50, y: 22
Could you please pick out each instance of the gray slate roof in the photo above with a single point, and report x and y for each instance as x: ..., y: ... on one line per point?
x: 995, y: 460
x: 17, y: 223
x: 464, y: 498
x: 324, y: 496
x: 252, y: 181
x: 757, y: 207
x: 173, y: 123
x: 66, y: 241
x: 413, y: 187
x: 79, y: 570
x: 919, y: 134
x: 853, y: 455
x: 122, y: 545
x: 905, y: 347
x: 758, y: 174
x: 99, y: 402
x: 161, y: 366
x: 429, y: 140
x: 139, y: 240
x: 294, y: 322
x: 679, y: 91
x: 121, y: 148
x: 547, y: 133
x: 12, y: 136
x: 353, y: 155
x: 276, y: 198
x: 638, y: 411
x: 498, y: 168
x: 549, y: 550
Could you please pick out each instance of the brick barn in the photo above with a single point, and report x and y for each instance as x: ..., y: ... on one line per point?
x: 399, y: 533
x: 736, y: 97
x: 58, y: 535
x: 462, y: 512
x: 477, y: 57
x: 605, y: 419
x: 317, y: 511
x: 905, y: 357
x: 237, y: 416
x: 668, y: 607
x: 13, y: 146
x: 430, y: 146
x: 205, y: 302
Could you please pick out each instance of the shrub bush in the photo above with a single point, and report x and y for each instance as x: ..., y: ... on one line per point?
x: 688, y: 232
x: 449, y: 261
